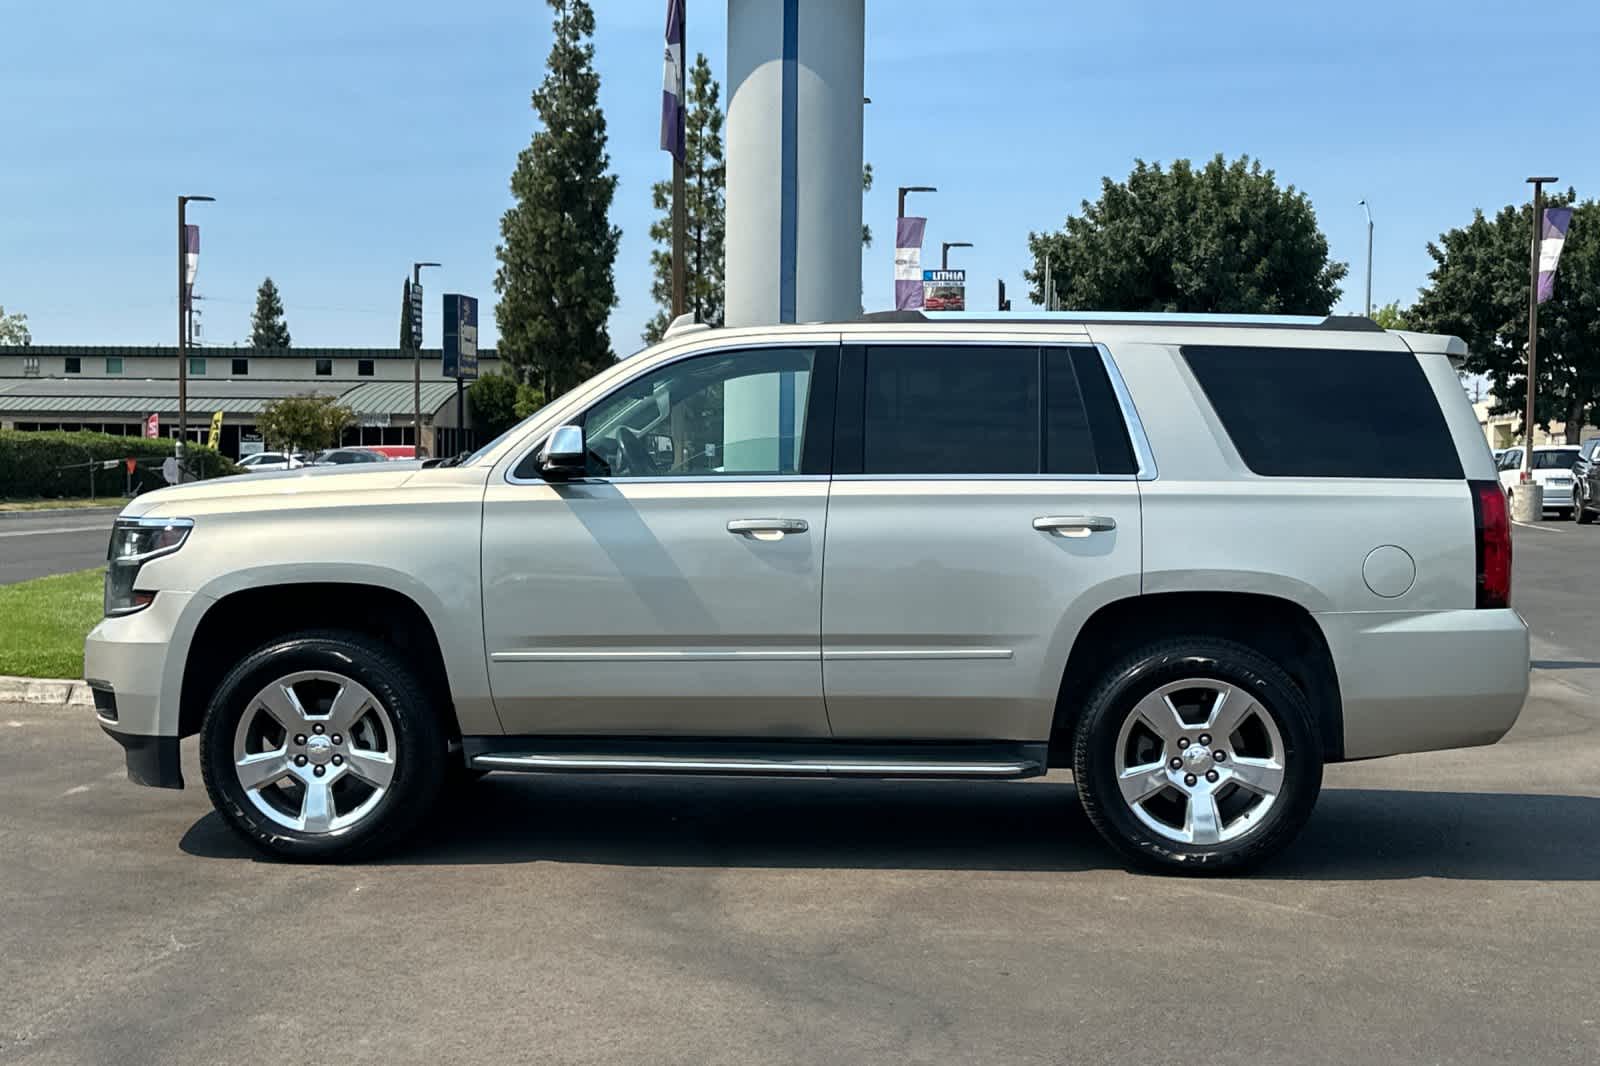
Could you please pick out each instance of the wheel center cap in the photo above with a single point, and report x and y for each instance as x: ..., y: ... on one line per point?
x: 319, y: 749
x: 1196, y: 759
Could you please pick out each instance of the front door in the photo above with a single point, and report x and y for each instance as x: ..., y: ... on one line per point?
x: 990, y: 506
x: 677, y: 589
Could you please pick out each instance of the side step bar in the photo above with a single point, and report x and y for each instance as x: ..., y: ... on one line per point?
x: 776, y: 759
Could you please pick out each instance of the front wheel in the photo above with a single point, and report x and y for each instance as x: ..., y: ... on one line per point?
x: 322, y: 745
x: 1197, y: 755
x: 1580, y: 512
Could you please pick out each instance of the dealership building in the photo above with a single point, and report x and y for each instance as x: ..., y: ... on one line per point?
x: 115, y: 389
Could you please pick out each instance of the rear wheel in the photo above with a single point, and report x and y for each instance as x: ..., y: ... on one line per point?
x: 322, y: 746
x: 1197, y: 755
x: 1580, y: 512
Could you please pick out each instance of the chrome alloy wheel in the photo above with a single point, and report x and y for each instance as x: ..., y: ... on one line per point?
x: 315, y: 752
x: 1200, y: 761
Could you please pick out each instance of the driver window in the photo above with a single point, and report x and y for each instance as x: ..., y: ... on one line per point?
x: 740, y: 413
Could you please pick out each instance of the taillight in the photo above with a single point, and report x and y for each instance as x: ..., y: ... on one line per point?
x: 1491, y: 517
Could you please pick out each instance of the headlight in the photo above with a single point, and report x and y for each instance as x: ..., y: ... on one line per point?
x: 134, y: 542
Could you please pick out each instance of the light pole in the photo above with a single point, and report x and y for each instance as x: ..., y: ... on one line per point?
x: 1368, y: 210
x: 183, y: 339
x: 1533, y: 332
x: 911, y: 188
x: 416, y: 366
x: 944, y: 251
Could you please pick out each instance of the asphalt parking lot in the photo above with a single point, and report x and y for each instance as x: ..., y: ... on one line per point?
x: 1439, y: 908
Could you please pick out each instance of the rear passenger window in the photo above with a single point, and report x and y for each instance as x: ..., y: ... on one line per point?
x: 948, y: 410
x: 1295, y: 412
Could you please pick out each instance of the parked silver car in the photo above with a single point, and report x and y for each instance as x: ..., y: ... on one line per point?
x: 1160, y: 552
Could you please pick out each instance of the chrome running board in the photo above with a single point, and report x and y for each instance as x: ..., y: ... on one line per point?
x: 809, y: 760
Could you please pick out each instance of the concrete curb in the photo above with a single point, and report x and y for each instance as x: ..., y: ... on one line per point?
x: 45, y: 691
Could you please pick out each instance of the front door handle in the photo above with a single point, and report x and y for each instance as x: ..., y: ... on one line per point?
x: 1076, y: 525
x: 767, y: 528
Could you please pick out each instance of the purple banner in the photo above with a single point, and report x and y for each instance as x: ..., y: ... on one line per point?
x: 1552, y: 236
x: 191, y: 258
x: 673, y: 139
x: 908, y: 233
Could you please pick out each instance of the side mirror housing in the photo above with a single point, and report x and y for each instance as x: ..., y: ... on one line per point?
x: 564, y: 455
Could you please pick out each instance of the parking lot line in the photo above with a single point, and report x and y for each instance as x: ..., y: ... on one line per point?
x: 1540, y: 526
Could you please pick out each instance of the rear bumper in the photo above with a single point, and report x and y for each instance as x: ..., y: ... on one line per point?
x: 1428, y: 680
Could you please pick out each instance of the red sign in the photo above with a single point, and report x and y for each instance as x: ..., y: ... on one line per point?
x: 132, y: 464
x: 152, y: 426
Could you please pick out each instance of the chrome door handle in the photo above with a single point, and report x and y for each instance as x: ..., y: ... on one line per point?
x: 1077, y: 525
x: 767, y: 528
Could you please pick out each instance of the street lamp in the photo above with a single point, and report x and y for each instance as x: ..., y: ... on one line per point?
x: 911, y: 188
x: 183, y: 340
x: 1368, y: 210
x: 944, y: 251
x: 416, y: 367
x: 1533, y: 335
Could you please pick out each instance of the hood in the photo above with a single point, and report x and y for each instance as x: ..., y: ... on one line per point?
x: 254, y: 491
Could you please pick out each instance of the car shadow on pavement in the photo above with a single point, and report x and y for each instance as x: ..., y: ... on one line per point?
x: 1355, y: 834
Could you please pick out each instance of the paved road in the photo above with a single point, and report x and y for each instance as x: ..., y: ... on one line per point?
x: 1439, y: 908
x: 36, y: 545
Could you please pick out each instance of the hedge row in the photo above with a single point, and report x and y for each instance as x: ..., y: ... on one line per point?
x: 52, y: 465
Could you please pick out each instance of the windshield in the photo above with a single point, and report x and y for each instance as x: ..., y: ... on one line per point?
x: 1558, y: 459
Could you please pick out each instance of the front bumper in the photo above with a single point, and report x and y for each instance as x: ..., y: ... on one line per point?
x: 1427, y: 680
x: 134, y: 664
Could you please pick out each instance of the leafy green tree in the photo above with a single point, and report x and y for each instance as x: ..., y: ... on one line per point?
x: 14, y: 328
x: 267, y: 327
x: 558, y: 248
x: 1478, y: 291
x: 1223, y: 238
x: 1389, y: 316
x: 866, y: 187
x: 529, y: 399
x: 304, y: 423
x: 705, y: 185
x: 493, y: 400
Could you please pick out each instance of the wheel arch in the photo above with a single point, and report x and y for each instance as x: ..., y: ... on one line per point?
x: 239, y: 621
x: 1278, y: 628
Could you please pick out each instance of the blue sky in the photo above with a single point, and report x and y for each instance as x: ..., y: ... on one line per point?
x: 343, y: 140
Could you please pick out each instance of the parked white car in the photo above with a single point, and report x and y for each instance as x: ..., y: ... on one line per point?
x: 269, y: 461
x: 1552, y: 469
x: 1145, y: 548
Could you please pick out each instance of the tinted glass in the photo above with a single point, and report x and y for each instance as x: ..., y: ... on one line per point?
x: 364, y: 368
x: 113, y: 364
x: 1084, y: 429
x: 241, y: 367
x: 732, y: 413
x: 74, y: 364
x: 1295, y: 412
x: 324, y: 367
x: 1560, y: 459
x: 951, y: 410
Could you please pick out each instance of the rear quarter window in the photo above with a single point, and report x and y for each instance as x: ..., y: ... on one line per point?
x: 1302, y: 412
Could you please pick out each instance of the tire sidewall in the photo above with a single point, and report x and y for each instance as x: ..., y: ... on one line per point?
x: 1137, y: 677
x: 417, y: 740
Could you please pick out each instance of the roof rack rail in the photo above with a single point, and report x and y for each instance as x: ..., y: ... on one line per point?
x: 1348, y: 323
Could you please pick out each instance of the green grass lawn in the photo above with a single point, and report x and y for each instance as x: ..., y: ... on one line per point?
x: 43, y: 623
x: 52, y: 505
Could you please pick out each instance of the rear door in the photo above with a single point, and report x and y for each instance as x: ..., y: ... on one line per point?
x: 984, y: 503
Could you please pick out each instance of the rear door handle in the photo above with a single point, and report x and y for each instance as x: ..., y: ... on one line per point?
x: 767, y: 528
x: 1076, y: 525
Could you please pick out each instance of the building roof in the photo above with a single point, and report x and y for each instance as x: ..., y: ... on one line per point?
x: 137, y: 398
x: 95, y: 351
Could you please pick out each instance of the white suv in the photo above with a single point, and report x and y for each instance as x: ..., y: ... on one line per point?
x: 1171, y: 554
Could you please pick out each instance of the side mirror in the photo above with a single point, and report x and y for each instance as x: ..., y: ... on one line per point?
x: 564, y: 455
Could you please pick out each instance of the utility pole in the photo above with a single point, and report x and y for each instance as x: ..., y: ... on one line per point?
x: 944, y: 251
x: 183, y: 339
x: 1368, y: 210
x: 1533, y: 328
x: 680, y: 209
x: 416, y: 357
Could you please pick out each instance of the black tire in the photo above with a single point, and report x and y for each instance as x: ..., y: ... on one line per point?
x: 1583, y: 515
x: 419, y: 756
x: 1142, y: 673
x: 1565, y: 514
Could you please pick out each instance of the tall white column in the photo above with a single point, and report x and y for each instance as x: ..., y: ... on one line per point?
x: 796, y: 71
